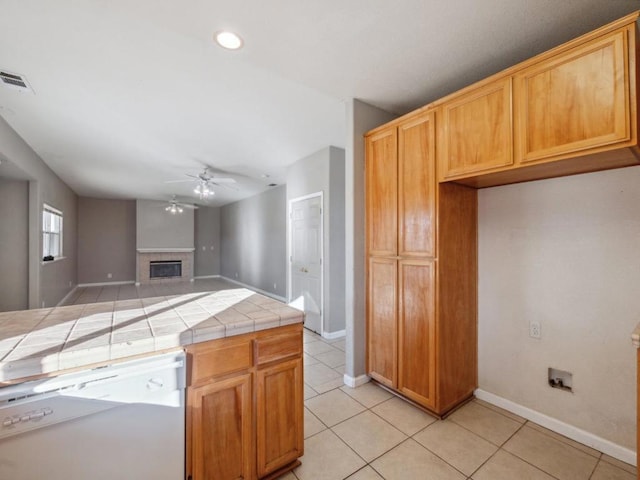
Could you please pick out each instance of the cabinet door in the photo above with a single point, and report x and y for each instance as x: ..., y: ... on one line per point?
x: 574, y: 101
x: 381, y: 193
x: 476, y: 131
x: 416, y: 331
x: 381, y: 320
x: 416, y: 187
x: 220, y: 415
x: 279, y: 416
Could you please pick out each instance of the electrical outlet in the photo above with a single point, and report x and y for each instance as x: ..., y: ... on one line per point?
x: 109, y: 275
x: 236, y: 274
x: 535, y: 330
x: 274, y: 286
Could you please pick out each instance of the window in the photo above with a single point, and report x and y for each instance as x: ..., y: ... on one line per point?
x: 51, y: 233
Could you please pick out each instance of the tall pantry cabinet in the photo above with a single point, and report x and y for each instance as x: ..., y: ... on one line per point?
x: 421, y: 268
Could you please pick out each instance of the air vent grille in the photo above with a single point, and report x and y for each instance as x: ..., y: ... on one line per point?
x: 15, y: 81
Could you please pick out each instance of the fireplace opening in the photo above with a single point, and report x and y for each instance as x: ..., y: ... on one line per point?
x: 165, y: 268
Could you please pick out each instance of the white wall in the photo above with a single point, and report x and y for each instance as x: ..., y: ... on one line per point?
x: 563, y: 252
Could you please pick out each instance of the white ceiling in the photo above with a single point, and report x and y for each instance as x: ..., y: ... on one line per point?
x: 129, y: 94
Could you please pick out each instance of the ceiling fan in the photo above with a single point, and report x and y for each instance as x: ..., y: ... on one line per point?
x: 175, y: 206
x: 204, y: 181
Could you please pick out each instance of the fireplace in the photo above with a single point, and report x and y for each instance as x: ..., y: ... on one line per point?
x: 165, y: 268
x: 164, y: 265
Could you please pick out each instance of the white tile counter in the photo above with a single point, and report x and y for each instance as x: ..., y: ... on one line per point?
x: 36, y: 342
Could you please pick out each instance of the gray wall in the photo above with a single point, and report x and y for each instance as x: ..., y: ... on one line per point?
x: 361, y: 117
x: 253, y: 241
x: 157, y: 228
x: 562, y: 252
x: 14, y: 238
x: 324, y: 172
x: 106, y: 240
x: 52, y: 281
x: 207, y: 241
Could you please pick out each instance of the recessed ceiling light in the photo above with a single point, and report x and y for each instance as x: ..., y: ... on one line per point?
x: 228, y: 40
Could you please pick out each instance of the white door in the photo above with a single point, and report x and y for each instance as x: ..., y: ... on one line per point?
x: 306, y: 258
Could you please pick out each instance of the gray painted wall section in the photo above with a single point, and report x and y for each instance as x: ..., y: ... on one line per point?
x: 207, y: 241
x: 253, y: 241
x: 324, y: 171
x: 157, y: 228
x: 106, y: 240
x: 361, y: 117
x: 14, y: 238
x: 50, y: 282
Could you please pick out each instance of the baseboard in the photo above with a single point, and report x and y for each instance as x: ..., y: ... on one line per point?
x: 250, y: 287
x: 606, y: 446
x: 204, y: 277
x: 354, y: 382
x: 334, y: 335
x: 105, y: 284
x: 61, y: 302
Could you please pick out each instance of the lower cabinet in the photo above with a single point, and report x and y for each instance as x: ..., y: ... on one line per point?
x: 245, y: 406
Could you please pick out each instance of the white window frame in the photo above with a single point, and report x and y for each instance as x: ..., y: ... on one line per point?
x: 49, y: 233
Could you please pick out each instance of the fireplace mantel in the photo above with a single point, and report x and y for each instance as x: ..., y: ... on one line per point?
x: 165, y: 250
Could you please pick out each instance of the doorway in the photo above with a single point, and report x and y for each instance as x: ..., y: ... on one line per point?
x: 305, y: 259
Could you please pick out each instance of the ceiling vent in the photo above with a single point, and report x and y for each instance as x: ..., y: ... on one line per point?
x: 15, y: 81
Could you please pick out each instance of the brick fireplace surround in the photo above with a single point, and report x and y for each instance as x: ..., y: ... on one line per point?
x: 147, y: 255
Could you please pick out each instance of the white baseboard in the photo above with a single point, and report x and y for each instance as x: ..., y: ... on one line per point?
x: 606, y: 446
x: 61, y: 302
x: 334, y: 335
x: 105, y: 284
x: 354, y: 382
x: 250, y: 287
x: 203, y: 277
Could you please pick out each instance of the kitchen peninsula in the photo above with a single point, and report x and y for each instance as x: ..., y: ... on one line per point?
x: 244, y: 354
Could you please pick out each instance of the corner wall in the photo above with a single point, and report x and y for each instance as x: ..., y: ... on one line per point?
x: 324, y: 171
x: 563, y: 252
x: 50, y: 282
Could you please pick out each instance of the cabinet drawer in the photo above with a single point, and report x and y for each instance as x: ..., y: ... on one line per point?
x: 278, y: 347
x: 215, y: 360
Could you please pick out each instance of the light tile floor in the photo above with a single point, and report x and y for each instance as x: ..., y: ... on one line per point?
x: 366, y: 433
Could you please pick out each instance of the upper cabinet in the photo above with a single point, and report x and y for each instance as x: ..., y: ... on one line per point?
x: 576, y: 101
x: 476, y: 131
x: 570, y: 110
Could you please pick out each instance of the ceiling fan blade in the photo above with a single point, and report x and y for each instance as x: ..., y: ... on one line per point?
x: 188, y: 205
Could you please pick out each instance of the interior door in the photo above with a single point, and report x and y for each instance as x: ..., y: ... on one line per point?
x: 306, y: 259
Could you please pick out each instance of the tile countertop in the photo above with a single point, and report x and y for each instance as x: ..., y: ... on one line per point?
x: 36, y: 342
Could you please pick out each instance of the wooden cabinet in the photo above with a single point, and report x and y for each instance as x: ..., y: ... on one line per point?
x: 221, y: 440
x: 245, y: 405
x: 406, y: 265
x: 575, y: 101
x: 279, y: 415
x: 476, y: 132
x: 570, y: 110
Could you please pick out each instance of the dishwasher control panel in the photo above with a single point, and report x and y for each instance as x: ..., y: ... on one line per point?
x: 33, y: 415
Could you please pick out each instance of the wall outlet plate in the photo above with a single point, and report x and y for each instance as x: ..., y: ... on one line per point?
x: 535, y: 330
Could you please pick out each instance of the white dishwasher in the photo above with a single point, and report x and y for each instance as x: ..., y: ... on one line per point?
x: 122, y: 421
